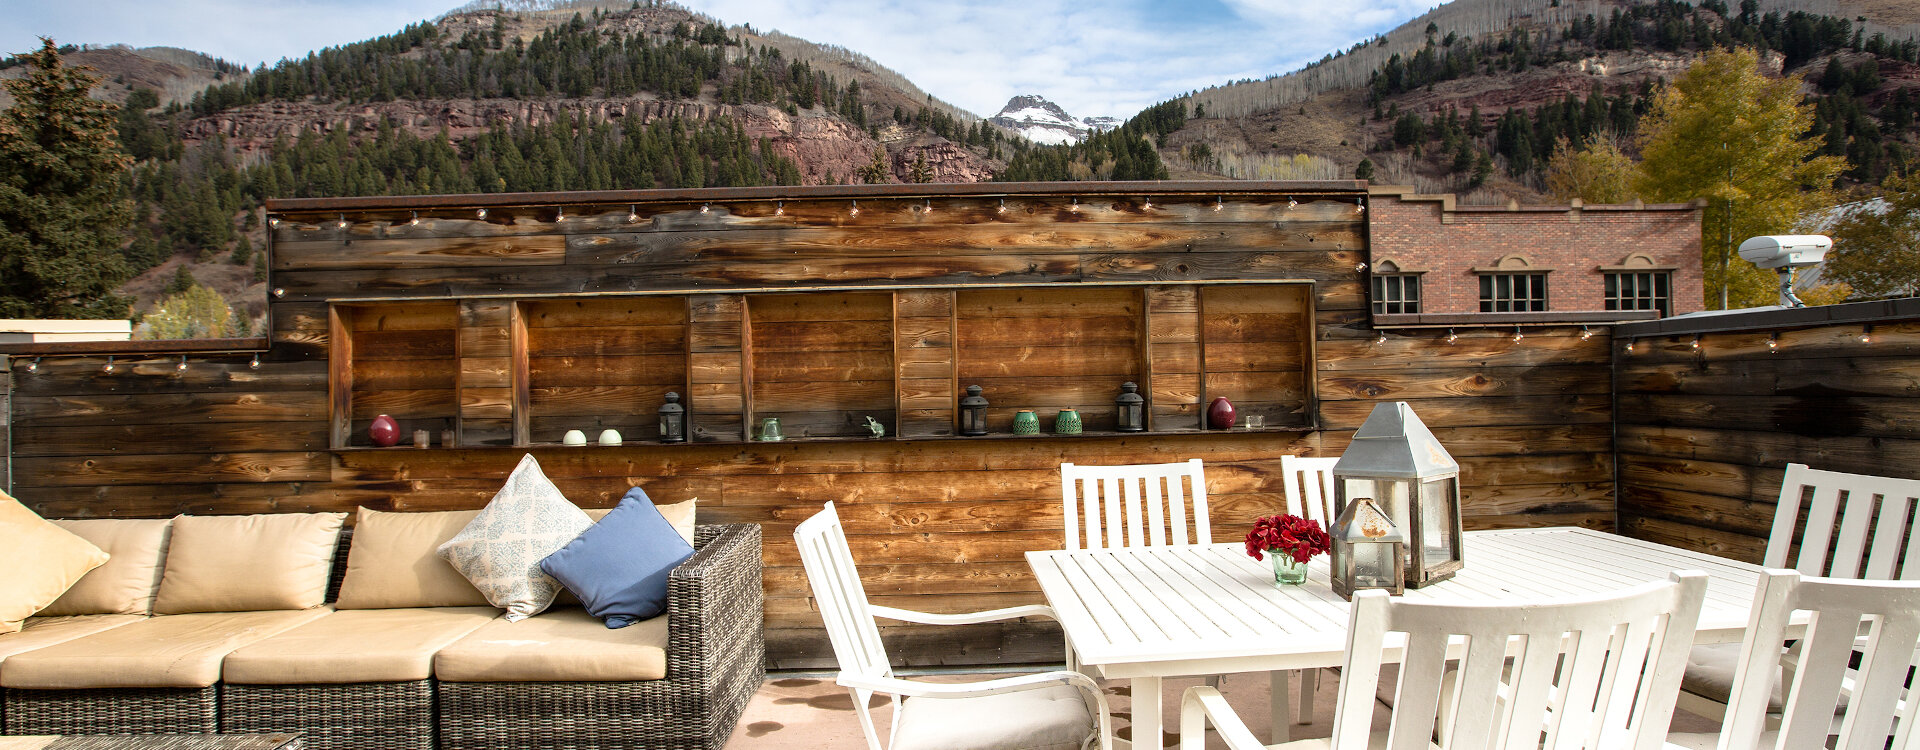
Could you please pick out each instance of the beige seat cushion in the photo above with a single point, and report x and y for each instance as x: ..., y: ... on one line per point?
x: 245, y: 563
x: 41, y: 632
x: 127, y: 583
x: 172, y: 651
x: 28, y: 742
x: 1049, y: 718
x: 562, y: 645
x: 43, y: 561
x: 361, y: 645
x: 393, y: 564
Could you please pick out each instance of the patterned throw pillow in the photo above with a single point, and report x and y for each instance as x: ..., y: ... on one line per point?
x: 500, y: 551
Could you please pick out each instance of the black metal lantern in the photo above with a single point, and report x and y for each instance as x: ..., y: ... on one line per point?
x: 1130, y: 409
x: 1395, y: 460
x: 973, y: 412
x: 1369, y: 552
x: 673, y: 420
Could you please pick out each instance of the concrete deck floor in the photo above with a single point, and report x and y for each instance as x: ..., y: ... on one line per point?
x: 793, y: 711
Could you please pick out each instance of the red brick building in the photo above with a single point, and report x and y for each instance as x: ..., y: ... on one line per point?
x: 1435, y: 263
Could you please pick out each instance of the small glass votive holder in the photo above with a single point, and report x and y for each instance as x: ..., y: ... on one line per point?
x: 1256, y: 421
x: 422, y: 439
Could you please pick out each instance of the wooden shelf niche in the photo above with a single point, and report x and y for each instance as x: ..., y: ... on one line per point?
x: 1256, y: 349
x: 398, y: 359
x: 1047, y: 349
x: 599, y: 363
x: 821, y: 362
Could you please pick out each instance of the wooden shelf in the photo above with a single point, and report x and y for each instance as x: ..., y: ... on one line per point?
x: 397, y: 359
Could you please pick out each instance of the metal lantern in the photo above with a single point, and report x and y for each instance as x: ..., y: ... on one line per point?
x: 1395, y: 460
x: 1130, y: 409
x: 673, y: 420
x: 973, y: 412
x: 1369, y: 552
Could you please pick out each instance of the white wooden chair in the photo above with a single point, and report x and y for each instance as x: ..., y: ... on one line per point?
x: 1138, y: 505
x: 1614, y: 659
x: 1310, y: 494
x: 1880, y: 706
x: 1856, y: 526
x: 1042, y: 709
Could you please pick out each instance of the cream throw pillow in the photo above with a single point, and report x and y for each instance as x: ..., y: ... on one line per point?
x: 247, y: 563
x: 127, y: 583
x: 500, y: 551
x: 680, y: 515
x: 393, y: 563
x: 42, y: 562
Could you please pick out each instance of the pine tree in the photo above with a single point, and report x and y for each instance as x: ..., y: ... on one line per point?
x: 1364, y: 171
x: 63, y: 211
x: 182, y: 280
x: 242, y: 252
x: 922, y: 172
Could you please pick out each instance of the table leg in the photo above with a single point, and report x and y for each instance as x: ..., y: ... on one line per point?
x: 1278, y: 705
x: 1146, y: 713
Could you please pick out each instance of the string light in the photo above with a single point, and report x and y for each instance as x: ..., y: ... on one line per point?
x: 1630, y: 343
x: 34, y: 366
x: 415, y: 220
x: 1359, y: 206
x: 342, y: 223
x: 182, y: 367
x: 855, y: 211
x: 1075, y: 207
x: 1451, y: 336
x: 633, y: 214
x: 1146, y: 204
x: 1380, y: 339
x: 1360, y: 268
x: 926, y: 205
x: 1003, y: 206
x: 273, y: 222
x: 1217, y: 205
x: 482, y: 213
x: 1695, y: 344
x: 1585, y: 333
x: 1866, y: 334
x: 1517, y: 335
x: 1773, y: 342
x: 779, y: 208
x: 279, y: 292
x: 1292, y: 204
x: 704, y: 208
x: 560, y: 213
x: 108, y: 368
x: 255, y: 364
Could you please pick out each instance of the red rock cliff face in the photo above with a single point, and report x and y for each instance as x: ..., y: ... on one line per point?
x: 819, y: 144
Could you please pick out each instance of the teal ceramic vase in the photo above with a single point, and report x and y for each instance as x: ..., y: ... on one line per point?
x: 1068, y: 423
x: 1025, y: 422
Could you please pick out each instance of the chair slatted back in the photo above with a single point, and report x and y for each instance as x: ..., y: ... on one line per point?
x: 1309, y: 486
x: 840, y: 596
x: 1887, y: 611
x: 1138, y: 505
x: 1598, y: 672
x: 1841, y: 510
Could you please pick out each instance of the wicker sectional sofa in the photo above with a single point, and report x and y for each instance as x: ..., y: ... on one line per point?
x: 401, y: 678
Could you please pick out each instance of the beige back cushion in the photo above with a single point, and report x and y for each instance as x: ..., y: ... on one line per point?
x: 127, y: 583
x: 393, y: 565
x: 41, y: 562
x: 680, y: 515
x: 247, y: 563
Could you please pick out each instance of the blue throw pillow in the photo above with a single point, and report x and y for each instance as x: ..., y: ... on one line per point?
x: 619, y: 567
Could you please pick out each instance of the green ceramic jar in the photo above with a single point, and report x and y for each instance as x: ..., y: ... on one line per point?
x: 1068, y: 423
x: 1025, y: 422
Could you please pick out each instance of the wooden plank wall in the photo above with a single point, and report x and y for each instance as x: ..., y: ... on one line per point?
x: 822, y: 362
x: 938, y: 524
x: 1048, y: 349
x: 597, y: 364
x: 1705, y: 434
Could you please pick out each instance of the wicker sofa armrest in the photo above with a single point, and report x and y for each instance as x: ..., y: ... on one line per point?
x: 716, y: 619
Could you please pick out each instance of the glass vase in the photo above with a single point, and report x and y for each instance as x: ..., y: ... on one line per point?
x: 1286, y: 572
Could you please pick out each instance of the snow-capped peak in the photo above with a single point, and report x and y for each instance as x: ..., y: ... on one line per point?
x: 1042, y: 121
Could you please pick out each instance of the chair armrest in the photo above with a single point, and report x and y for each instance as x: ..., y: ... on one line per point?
x: 715, y: 607
x: 963, y: 618
x: 1201, y: 705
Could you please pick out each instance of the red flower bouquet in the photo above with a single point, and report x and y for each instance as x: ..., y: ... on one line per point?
x: 1298, y: 537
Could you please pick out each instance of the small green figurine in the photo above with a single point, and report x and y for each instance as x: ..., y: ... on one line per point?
x: 874, y: 426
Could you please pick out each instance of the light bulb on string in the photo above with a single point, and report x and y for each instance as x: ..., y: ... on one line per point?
x: 182, y: 367
x: 855, y: 210
x: 1217, y: 204
x: 108, y: 367
x: 255, y: 364
x: 1630, y: 343
x: 1003, y: 207
x: 1380, y: 339
x: 1451, y: 336
x: 1773, y: 342
x: 481, y: 213
x: 1695, y: 344
x: 414, y: 220
x: 1517, y: 335
x: 633, y: 213
x: 779, y: 208
x: 1866, y: 334
x: 1585, y: 333
x: 34, y: 366
x: 1292, y: 204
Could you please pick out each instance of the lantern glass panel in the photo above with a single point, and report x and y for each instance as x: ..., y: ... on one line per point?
x: 1373, y: 566
x: 1436, y: 520
x: 1390, y: 494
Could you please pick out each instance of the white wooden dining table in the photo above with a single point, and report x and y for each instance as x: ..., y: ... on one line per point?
x: 1149, y: 613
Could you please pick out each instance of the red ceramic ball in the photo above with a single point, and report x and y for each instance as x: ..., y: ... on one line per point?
x: 384, y: 431
x: 1220, y: 414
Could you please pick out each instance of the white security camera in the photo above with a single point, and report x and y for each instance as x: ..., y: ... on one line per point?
x: 1786, y: 253
x: 1786, y: 250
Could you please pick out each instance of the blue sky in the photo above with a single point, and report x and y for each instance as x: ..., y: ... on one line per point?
x: 1112, y: 57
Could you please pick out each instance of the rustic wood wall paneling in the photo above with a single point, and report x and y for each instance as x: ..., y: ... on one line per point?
x: 597, y: 364
x: 1173, y: 347
x: 1254, y: 346
x: 717, y: 351
x: 923, y: 351
x: 1049, y: 348
x: 485, y: 350
x: 1704, y: 435
x: 822, y: 363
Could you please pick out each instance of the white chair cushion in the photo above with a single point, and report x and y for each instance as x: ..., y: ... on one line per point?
x: 1050, y: 718
x: 1710, y: 671
x: 1377, y: 741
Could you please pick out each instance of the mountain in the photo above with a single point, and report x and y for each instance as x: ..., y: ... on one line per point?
x: 1041, y: 121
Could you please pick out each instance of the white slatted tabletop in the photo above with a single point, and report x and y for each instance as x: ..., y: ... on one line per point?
x: 1148, y: 613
